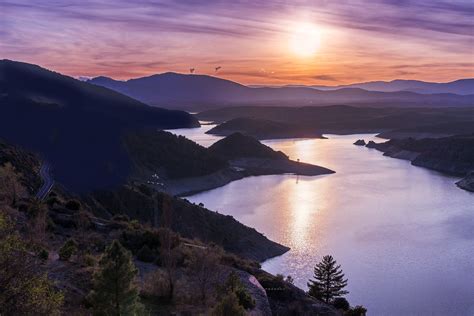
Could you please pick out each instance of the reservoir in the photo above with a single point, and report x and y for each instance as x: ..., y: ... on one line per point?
x: 403, y: 235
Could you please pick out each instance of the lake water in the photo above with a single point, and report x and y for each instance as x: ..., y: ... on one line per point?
x: 404, y: 235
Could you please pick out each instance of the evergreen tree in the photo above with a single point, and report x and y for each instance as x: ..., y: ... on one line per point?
x: 114, y: 291
x: 328, y: 280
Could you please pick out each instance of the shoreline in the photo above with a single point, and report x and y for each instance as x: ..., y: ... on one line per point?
x: 239, y: 169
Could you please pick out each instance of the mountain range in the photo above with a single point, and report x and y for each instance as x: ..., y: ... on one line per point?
x: 461, y: 86
x: 197, y: 92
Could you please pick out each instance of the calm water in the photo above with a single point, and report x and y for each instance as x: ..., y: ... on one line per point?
x: 404, y: 235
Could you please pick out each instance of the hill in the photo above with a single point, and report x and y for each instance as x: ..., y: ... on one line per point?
x: 340, y: 119
x: 263, y: 129
x: 75, y: 125
x: 237, y: 146
x: 189, y: 91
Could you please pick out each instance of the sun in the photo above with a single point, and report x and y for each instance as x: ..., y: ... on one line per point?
x: 305, y: 39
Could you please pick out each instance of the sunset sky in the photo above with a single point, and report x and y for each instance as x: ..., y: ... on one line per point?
x: 255, y: 42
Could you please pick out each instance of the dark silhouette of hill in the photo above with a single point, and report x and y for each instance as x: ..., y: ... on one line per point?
x: 238, y: 145
x: 461, y: 86
x: 200, y: 91
x: 264, y: 129
x: 75, y: 125
x: 341, y: 119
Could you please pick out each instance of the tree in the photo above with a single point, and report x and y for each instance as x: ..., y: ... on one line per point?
x: 328, y: 280
x: 10, y: 187
x: 114, y: 289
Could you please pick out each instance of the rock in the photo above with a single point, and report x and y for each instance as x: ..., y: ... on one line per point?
x: 467, y: 183
x: 360, y: 142
x: 371, y: 144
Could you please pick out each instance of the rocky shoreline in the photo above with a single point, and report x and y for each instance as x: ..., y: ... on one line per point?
x: 239, y: 169
x: 450, y: 155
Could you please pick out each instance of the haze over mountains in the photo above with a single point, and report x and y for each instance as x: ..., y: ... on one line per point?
x: 191, y: 92
x: 461, y: 86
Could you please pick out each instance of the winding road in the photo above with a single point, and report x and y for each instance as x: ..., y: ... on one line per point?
x: 48, y: 181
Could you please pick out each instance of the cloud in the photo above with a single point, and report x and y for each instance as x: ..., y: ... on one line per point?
x: 325, y: 78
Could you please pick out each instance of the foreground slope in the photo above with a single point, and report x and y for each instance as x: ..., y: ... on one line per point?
x: 75, y: 125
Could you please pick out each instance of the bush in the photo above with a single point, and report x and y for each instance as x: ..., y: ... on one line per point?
x: 73, y: 205
x: 121, y: 218
x: 88, y: 260
x: 145, y: 254
x: 244, y: 298
x: 43, y: 254
x: 341, y: 303
x: 51, y: 201
x: 229, y: 305
x: 357, y: 311
x: 155, y: 285
x: 67, y: 250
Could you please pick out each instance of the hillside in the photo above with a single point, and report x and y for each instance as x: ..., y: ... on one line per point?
x: 51, y: 251
x: 452, y: 155
x: 237, y: 146
x: 191, y: 92
x: 76, y: 126
x: 263, y: 129
x: 340, y: 119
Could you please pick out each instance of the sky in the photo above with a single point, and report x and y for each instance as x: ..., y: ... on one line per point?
x: 254, y: 42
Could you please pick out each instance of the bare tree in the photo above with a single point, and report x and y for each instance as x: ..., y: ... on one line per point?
x: 166, y: 241
x: 203, y: 266
x: 10, y: 187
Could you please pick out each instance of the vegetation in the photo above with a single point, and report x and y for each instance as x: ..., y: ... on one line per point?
x: 10, y: 187
x: 357, y: 311
x: 328, y: 282
x: 175, y: 156
x: 114, y: 290
x: 341, y: 303
x: 68, y: 249
x: 24, y: 289
x: 228, y: 305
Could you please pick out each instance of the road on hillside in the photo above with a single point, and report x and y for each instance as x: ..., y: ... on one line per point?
x: 48, y: 182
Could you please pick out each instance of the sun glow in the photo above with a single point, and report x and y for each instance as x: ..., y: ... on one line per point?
x: 305, y: 39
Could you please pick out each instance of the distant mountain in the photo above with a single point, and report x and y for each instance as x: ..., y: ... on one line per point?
x: 188, y: 91
x: 77, y: 126
x: 461, y: 87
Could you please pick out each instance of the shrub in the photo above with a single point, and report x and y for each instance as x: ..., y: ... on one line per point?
x: 229, y: 305
x: 357, y: 311
x: 43, y: 254
x: 341, y: 303
x: 51, y: 201
x: 73, y: 205
x: 244, y: 298
x: 121, y: 218
x: 67, y: 250
x: 155, y: 285
x: 88, y: 260
x: 145, y: 254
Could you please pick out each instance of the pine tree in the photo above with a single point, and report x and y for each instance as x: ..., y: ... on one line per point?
x: 328, y: 280
x: 114, y: 291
